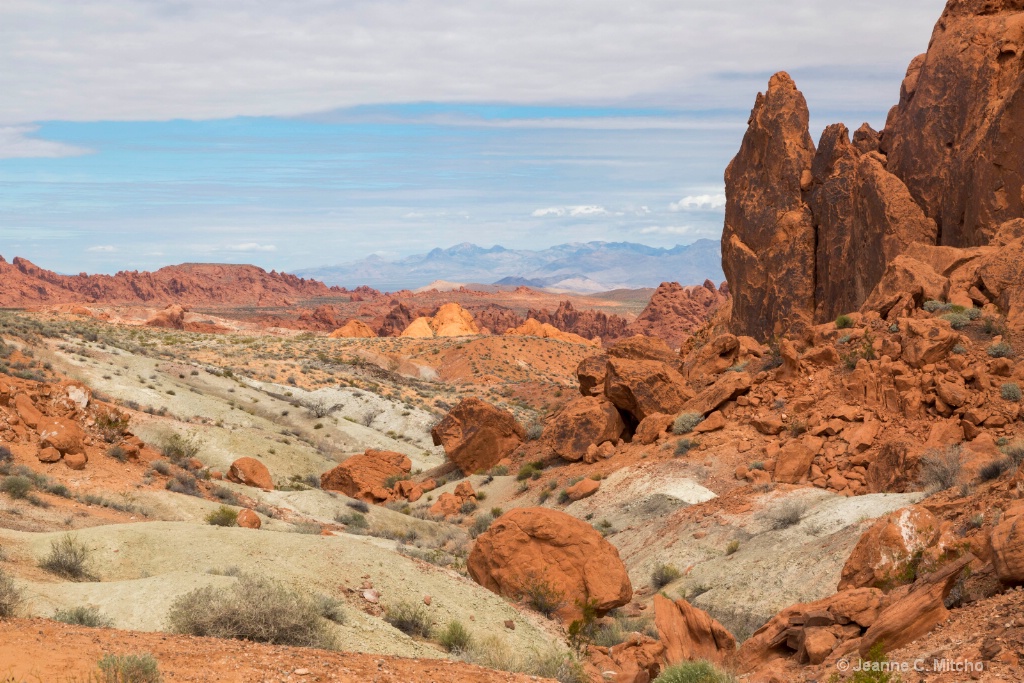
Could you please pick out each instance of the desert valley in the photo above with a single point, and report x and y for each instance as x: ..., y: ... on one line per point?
x: 810, y: 471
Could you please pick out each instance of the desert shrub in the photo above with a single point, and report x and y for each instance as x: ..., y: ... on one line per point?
x: 941, y: 470
x: 353, y: 520
x: 1010, y: 391
x: 481, y: 523
x: 1015, y: 452
x: 958, y: 320
x: 685, y: 422
x: 664, y: 574
x: 330, y: 608
x: 694, y: 672
x: 534, y: 431
x: 455, y: 637
x: 972, y: 313
x: 117, y: 453
x: 112, y: 425
x: 69, y: 558
x: 409, y: 618
x: 223, y: 516
x: 11, y: 597
x: 684, y: 446
x: 83, y: 616
x: 994, y: 469
x: 161, y: 467
x: 358, y: 506
x: 318, y: 407
x: 185, y: 483
x: 541, y: 594
x: 255, y: 608
x: 1000, y: 350
x: 787, y: 514
x: 129, y: 669
x: 17, y: 486
x: 530, y: 470
x: 933, y: 306
x: 733, y: 546
x: 959, y: 349
x: 494, y: 652
x: 179, y: 448
x: 843, y: 322
x: 498, y: 471
x: 226, y: 495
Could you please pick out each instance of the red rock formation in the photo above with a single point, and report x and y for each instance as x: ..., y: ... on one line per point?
x: 674, y: 311
x: 247, y: 519
x: 364, y: 476
x: 353, y: 328
x: 529, y: 546
x: 768, y: 245
x: 689, y: 633
x: 476, y: 435
x: 497, y: 319
x: 172, y: 318
x: 397, y: 319
x: 585, y: 421
x: 955, y: 138
x: 250, y: 472
x: 587, y: 324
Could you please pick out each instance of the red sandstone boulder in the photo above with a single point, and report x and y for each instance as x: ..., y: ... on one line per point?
x: 652, y: 427
x: 583, y: 489
x: 636, y: 660
x: 581, y: 423
x: 27, y: 411
x: 364, y: 476
x: 591, y: 373
x: 927, y: 341
x: 450, y: 504
x: 247, y: 519
x: 250, y: 472
x: 76, y: 461
x: 645, y: 387
x: 906, y: 284
x: 528, y: 546
x: 642, y: 347
x: 689, y: 633
x: 1008, y: 546
x: 476, y: 435
x: 172, y: 318
x: 62, y: 434
x: 793, y: 462
x: 727, y: 387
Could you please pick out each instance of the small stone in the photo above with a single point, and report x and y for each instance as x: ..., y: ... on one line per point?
x: 510, y: 624
x: 426, y: 599
x: 301, y: 672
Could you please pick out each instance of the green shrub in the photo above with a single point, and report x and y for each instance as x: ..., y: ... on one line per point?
x: 223, y: 516
x: 112, y: 425
x: 663, y: 575
x: 685, y: 422
x: 330, y: 608
x: 534, y: 431
x: 843, y: 322
x: 129, y: 669
x: 455, y: 637
x: 1010, y: 391
x: 17, y: 486
x: 1000, y: 350
x: 409, y: 618
x: 83, y: 616
x: 733, y: 546
x: 481, y: 523
x: 254, y: 608
x: 694, y: 672
x: 530, y: 470
x: 958, y: 320
x: 541, y: 594
x: 494, y: 652
x: 179, y: 448
x: 11, y: 597
x: 933, y: 306
x: 68, y: 558
x: 355, y: 521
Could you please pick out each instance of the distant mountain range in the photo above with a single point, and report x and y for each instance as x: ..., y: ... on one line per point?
x: 583, y: 268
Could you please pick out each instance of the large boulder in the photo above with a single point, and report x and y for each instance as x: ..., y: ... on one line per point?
x: 62, y: 434
x: 906, y: 284
x: 727, y: 387
x: 793, y: 462
x: 250, y: 472
x: 585, y: 421
x: 353, y: 328
x: 891, y: 550
x: 476, y: 435
x: 642, y: 347
x: 530, y: 547
x: 364, y: 476
x: 591, y: 373
x: 768, y: 244
x: 645, y: 387
x: 172, y: 318
x: 452, y: 320
x: 927, y: 341
x: 689, y: 633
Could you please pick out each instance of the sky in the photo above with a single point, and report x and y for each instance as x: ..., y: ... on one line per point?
x: 140, y: 133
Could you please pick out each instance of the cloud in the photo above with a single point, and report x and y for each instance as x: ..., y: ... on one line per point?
x: 16, y: 142
x: 102, y: 248
x: 668, y: 230
x: 196, y: 59
x: 251, y: 246
x: 572, y: 211
x: 702, y: 202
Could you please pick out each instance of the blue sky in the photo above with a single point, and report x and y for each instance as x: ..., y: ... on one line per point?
x: 138, y: 133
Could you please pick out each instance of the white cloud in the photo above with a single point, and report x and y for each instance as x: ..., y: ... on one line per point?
x: 667, y: 230
x: 251, y: 246
x: 16, y: 142
x: 582, y: 211
x: 702, y: 202
x: 102, y: 248
x: 157, y: 59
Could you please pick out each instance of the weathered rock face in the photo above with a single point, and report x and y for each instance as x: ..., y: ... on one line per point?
x: 863, y: 215
x: 956, y: 135
x: 533, y: 328
x: 364, y: 476
x: 353, y: 328
x: 476, y: 435
x: 580, y: 423
x: 1008, y: 546
x: 645, y: 387
x: 689, y: 633
x: 530, y: 545
x: 251, y: 472
x: 768, y: 245
x: 588, y: 324
x: 172, y: 317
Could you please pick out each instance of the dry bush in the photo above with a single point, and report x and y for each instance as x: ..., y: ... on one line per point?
x: 11, y: 597
x: 541, y: 594
x: 83, y: 616
x: 686, y: 422
x: 788, y: 514
x: 494, y: 652
x: 455, y: 637
x: 68, y: 558
x: 941, y: 470
x: 663, y: 575
x: 128, y: 669
x: 112, y: 425
x: 255, y: 608
x: 222, y: 516
x: 409, y: 618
